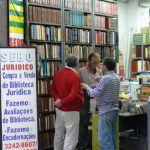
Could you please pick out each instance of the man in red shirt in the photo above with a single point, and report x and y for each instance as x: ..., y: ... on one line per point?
x: 69, y: 98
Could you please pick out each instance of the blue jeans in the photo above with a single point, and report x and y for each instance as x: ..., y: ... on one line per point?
x: 107, y: 130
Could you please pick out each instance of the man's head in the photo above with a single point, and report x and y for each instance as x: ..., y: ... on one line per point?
x: 108, y: 65
x: 72, y: 61
x: 93, y: 60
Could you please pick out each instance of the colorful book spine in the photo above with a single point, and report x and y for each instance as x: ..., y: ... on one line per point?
x: 102, y: 37
x: 82, y: 52
x: 103, y: 7
x: 40, y: 32
x: 77, y: 35
x: 46, y: 104
x: 106, y: 52
x: 49, y: 68
x: 78, y: 18
x: 83, y: 5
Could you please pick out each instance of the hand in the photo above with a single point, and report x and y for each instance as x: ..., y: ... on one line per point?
x: 98, y: 78
x: 57, y: 103
x: 84, y: 86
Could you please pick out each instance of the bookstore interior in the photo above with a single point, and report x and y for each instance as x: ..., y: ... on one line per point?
x: 36, y: 37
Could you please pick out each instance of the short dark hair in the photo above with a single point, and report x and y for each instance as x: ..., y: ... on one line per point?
x: 110, y: 64
x: 93, y: 54
x: 72, y: 61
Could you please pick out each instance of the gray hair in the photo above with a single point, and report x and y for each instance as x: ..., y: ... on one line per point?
x: 72, y: 61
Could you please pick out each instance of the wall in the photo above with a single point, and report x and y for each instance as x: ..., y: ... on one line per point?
x: 122, y: 26
x: 131, y: 19
x: 3, y: 23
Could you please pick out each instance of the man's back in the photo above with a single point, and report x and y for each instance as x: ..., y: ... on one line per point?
x: 66, y: 86
x: 108, y: 98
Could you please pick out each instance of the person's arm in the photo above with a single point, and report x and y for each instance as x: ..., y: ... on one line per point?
x: 99, y: 89
x: 53, y: 90
x: 75, y: 88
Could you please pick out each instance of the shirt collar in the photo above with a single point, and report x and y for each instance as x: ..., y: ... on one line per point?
x: 109, y: 72
x: 71, y: 68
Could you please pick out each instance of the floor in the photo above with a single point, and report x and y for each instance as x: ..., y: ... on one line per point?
x: 133, y: 142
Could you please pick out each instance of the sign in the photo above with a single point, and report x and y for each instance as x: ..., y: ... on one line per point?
x: 16, y: 23
x: 19, y: 99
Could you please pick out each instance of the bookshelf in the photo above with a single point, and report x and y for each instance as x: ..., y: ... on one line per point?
x: 61, y: 27
x: 105, y: 28
x: 140, y: 60
x: 44, y: 31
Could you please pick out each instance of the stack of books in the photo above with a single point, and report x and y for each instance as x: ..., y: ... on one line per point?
x: 139, y: 38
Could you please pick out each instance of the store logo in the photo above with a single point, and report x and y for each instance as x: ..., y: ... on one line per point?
x: 1, y: 3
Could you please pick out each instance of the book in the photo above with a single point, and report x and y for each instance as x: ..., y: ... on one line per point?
x: 82, y: 52
x: 45, y: 33
x: 56, y: 3
x: 49, y: 68
x: 107, y: 8
x: 83, y: 5
x: 77, y: 18
x: 46, y: 15
x: 106, y: 52
x: 77, y: 35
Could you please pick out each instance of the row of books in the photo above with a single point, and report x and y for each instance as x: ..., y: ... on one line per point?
x: 137, y: 52
x: 139, y: 38
x: 103, y: 7
x: 46, y: 140
x: 40, y: 32
x: 49, y: 68
x: 147, y: 52
x: 77, y: 18
x: 77, y: 35
x: 56, y: 3
x: 47, y: 51
x: 106, y: 52
x: 146, y: 65
x: 43, y: 87
x: 46, y: 122
x: 102, y: 37
x: 46, y: 104
x: 46, y: 15
x: 82, y: 52
x: 111, y: 23
x: 79, y: 4
x: 105, y: 22
x: 137, y: 65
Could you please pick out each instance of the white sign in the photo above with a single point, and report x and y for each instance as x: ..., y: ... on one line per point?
x: 19, y: 99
